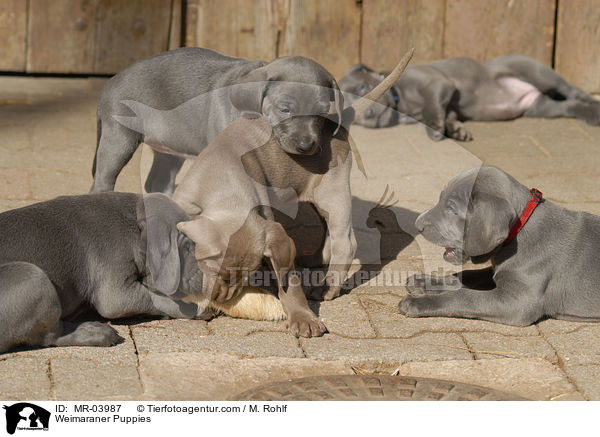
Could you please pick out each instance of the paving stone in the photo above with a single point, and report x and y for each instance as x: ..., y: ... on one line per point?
x: 24, y: 378
x: 554, y: 326
x: 491, y: 345
x: 76, y: 379
x: 577, y: 347
x: 345, y: 316
x: 587, y: 378
x: 183, y: 339
x: 432, y: 347
x: 15, y: 183
x: 48, y: 184
x: 122, y: 354
x: 224, y: 325
x: 207, y: 376
x: 14, y: 138
x: 169, y: 335
x: 531, y: 378
x: 6, y: 204
x: 388, y: 323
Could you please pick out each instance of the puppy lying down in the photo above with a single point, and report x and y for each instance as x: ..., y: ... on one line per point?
x: 544, y: 257
x: 443, y: 94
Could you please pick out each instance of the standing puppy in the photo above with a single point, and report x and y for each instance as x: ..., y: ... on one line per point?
x: 180, y: 100
x: 544, y: 257
x: 443, y: 94
x: 233, y: 184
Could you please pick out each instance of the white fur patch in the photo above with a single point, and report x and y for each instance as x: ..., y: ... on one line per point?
x: 252, y: 303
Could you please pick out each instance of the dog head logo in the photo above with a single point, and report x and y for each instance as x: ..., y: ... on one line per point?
x: 26, y: 416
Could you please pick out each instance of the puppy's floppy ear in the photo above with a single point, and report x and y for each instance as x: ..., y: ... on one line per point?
x: 160, y: 243
x: 487, y: 223
x: 206, y: 236
x: 338, y: 100
x: 248, y: 93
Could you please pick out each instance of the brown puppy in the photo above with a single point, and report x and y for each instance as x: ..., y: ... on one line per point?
x: 232, y: 219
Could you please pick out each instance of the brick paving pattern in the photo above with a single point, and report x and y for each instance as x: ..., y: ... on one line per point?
x: 47, y: 142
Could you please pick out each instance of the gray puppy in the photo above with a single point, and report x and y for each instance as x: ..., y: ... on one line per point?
x: 177, y: 102
x: 119, y: 254
x: 534, y: 273
x: 443, y: 94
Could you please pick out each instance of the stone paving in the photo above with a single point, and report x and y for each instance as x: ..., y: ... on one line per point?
x: 47, y: 141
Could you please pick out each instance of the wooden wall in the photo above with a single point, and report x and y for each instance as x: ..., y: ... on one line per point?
x: 104, y: 36
x: 84, y: 36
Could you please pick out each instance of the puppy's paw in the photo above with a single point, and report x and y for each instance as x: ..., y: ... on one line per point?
x: 94, y: 334
x: 420, y: 284
x: 306, y: 324
x: 412, y: 306
x: 417, y: 283
x: 435, y: 135
x: 460, y: 133
x: 592, y: 117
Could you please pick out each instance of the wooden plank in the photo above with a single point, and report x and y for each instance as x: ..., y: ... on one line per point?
x: 326, y: 31
x: 175, y: 32
x: 391, y: 27
x: 61, y: 36
x: 13, y: 35
x: 129, y: 30
x: 485, y: 29
x: 243, y: 28
x: 578, y: 43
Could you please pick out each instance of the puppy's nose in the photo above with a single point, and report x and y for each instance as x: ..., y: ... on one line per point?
x: 305, y: 144
x: 420, y: 223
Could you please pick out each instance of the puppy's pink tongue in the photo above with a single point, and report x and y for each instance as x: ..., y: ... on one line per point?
x: 449, y: 251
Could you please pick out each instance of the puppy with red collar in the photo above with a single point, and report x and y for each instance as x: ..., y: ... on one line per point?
x: 544, y: 257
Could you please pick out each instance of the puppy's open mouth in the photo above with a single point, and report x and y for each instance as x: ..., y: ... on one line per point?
x: 454, y: 255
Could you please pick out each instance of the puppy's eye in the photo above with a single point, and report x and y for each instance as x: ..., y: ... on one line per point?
x: 284, y: 110
x: 362, y: 89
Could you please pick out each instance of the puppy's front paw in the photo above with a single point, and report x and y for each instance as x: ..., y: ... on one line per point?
x: 461, y: 133
x: 435, y: 135
x: 417, y: 283
x: 412, y: 306
x: 305, y: 324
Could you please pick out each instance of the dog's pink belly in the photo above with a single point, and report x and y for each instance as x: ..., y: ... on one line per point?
x: 508, y: 98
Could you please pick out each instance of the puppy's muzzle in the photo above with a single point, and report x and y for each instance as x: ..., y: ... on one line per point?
x: 305, y: 145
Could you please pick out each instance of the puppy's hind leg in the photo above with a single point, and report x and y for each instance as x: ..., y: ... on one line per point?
x: 116, y: 146
x: 30, y: 312
x: 546, y: 107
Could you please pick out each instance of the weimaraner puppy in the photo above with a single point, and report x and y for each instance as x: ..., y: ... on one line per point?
x: 119, y: 254
x: 183, y: 98
x: 443, y: 94
x: 544, y: 257
x: 233, y: 184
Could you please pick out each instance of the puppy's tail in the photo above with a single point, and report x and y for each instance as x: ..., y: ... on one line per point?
x: 365, y: 102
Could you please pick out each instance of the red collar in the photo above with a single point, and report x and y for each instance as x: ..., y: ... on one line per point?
x: 536, y: 198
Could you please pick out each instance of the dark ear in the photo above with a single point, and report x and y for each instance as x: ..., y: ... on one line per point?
x: 248, y: 93
x: 159, y: 240
x: 338, y: 100
x: 487, y: 223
